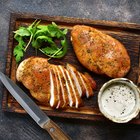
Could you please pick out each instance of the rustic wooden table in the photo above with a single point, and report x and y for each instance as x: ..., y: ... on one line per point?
x: 21, y: 127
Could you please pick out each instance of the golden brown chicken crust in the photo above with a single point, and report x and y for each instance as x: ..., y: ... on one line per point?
x: 52, y: 85
x: 34, y: 73
x: 99, y: 52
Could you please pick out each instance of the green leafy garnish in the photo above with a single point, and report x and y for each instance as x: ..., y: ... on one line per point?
x: 42, y: 38
x: 19, y: 49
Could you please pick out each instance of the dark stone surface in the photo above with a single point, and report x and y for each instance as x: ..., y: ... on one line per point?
x: 22, y: 127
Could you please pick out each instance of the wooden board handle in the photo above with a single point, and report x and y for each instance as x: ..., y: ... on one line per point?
x: 55, y: 131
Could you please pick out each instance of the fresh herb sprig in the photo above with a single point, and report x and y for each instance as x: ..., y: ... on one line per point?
x: 40, y: 37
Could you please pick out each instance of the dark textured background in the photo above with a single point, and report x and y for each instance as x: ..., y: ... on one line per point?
x: 22, y: 127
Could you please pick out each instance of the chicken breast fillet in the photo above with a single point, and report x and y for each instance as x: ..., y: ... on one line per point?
x: 54, y: 85
x: 99, y: 52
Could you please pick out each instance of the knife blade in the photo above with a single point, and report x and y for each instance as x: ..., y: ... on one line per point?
x: 33, y: 110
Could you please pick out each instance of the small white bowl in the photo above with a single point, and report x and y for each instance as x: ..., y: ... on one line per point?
x: 119, y: 100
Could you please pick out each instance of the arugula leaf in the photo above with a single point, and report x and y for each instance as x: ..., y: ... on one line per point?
x: 43, y: 28
x: 19, y: 49
x: 22, y: 31
x: 40, y: 39
x: 18, y: 53
x: 32, y: 29
x: 36, y: 43
x: 37, y: 35
x: 55, y: 31
x: 65, y: 31
x: 47, y: 39
x: 40, y: 33
x: 57, y: 53
x: 54, y: 24
x: 49, y: 50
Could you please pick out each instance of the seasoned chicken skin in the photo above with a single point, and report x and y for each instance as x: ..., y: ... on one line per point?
x: 99, y: 52
x: 55, y: 85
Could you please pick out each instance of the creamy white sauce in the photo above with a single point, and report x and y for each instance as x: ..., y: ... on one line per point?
x: 118, y: 100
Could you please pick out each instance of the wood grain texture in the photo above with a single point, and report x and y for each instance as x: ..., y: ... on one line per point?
x: 55, y: 132
x: 127, y: 33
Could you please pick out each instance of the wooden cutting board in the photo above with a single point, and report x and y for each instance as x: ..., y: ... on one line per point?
x: 126, y: 33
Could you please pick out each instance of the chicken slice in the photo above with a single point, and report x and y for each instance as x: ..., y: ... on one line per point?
x: 75, y: 76
x: 77, y: 80
x: 61, y: 103
x: 91, y: 80
x: 88, y: 91
x: 87, y: 79
x: 67, y: 94
x: 54, y: 89
x: 75, y: 96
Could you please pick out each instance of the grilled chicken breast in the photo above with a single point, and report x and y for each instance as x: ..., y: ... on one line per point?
x: 99, y: 52
x: 55, y: 85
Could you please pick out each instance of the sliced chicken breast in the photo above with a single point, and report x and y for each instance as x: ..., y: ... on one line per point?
x: 54, y: 85
x: 75, y: 76
x: 54, y: 89
x: 67, y: 94
x: 75, y: 90
x: 61, y: 103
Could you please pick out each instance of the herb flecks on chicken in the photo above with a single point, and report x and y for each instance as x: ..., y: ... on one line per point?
x: 56, y: 85
x: 100, y: 52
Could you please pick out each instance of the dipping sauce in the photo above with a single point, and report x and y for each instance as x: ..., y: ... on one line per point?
x: 118, y: 100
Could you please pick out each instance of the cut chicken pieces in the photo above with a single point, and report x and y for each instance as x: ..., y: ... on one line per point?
x: 62, y: 93
x: 55, y: 84
x: 76, y: 78
x: 54, y: 89
x: 69, y: 95
x: 90, y: 80
x: 84, y: 82
x: 89, y: 91
x: 75, y: 95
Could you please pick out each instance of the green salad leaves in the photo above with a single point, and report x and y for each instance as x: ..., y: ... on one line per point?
x: 42, y: 38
